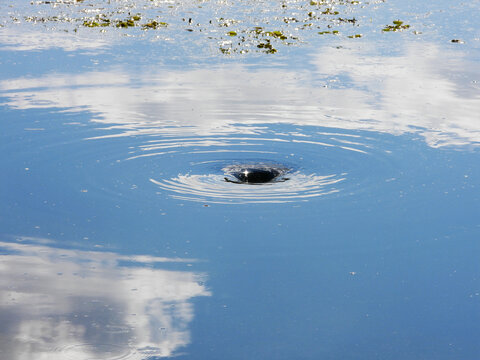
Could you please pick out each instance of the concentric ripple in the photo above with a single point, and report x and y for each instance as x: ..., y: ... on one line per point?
x: 312, y: 163
x: 95, y: 351
x: 190, y: 164
x: 213, y: 188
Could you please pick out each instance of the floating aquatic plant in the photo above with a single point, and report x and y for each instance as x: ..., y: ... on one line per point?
x: 397, y: 26
x: 127, y: 22
x: 268, y: 29
x: 267, y: 46
x: 335, y: 32
x: 276, y: 34
x: 102, y: 22
x: 154, y: 25
x: 329, y: 11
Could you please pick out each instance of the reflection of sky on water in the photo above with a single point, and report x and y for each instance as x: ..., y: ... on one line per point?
x: 374, y: 257
x: 72, y: 304
x: 28, y: 40
x: 419, y: 88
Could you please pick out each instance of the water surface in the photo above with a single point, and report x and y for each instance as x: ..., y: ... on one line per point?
x: 121, y: 239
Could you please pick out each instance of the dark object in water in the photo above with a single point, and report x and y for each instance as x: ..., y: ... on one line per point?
x: 251, y: 174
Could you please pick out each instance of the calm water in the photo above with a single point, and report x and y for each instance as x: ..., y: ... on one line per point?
x: 121, y: 239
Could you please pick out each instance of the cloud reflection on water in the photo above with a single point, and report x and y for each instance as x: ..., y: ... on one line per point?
x: 423, y: 88
x: 71, y: 304
x: 23, y: 39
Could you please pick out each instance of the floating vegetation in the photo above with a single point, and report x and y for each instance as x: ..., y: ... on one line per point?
x: 92, y: 23
x: 234, y: 28
x: 351, y: 21
x: 154, y: 25
x: 263, y: 39
x: 335, y: 32
x: 225, y: 22
x: 329, y: 11
x: 128, y: 22
x: 276, y: 34
x: 267, y: 46
x: 54, y: 2
x: 397, y: 26
x: 99, y: 20
x: 289, y: 20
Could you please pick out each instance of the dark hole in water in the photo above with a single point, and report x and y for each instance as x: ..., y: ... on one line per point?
x: 255, y: 174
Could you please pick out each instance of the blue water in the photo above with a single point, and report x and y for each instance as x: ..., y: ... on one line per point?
x: 121, y: 239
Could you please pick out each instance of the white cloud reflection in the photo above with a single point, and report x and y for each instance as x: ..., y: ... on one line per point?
x: 421, y: 88
x: 70, y: 304
x: 22, y: 38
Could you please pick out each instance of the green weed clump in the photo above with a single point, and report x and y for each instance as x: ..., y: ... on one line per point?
x: 397, y: 26
x: 154, y: 25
